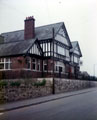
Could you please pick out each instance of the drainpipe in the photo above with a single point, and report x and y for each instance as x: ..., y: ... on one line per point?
x: 53, y: 63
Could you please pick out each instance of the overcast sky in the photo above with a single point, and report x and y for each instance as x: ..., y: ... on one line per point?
x: 79, y: 17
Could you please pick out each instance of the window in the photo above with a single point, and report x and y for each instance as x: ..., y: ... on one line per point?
x: 29, y: 63
x: 1, y: 63
x: 61, y: 50
x: 5, y: 63
x: 34, y: 64
x: 43, y: 47
x: 76, y: 59
x: 72, y: 58
x: 46, y: 49
x: 59, y: 67
x: 38, y: 65
x: 67, y: 53
x: 45, y: 66
x: 49, y: 46
x: 56, y: 68
x: 49, y: 49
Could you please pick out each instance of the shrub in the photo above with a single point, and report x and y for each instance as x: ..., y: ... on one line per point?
x: 3, y: 83
x: 43, y: 82
x: 40, y: 83
x: 16, y: 83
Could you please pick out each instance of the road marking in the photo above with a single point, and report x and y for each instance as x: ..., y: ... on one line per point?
x: 1, y: 113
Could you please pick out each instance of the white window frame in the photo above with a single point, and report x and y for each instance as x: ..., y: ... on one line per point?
x: 29, y: 61
x: 61, y: 50
x: 59, y: 64
x: 35, y: 64
x: 4, y: 62
x: 38, y: 64
x: 44, y: 63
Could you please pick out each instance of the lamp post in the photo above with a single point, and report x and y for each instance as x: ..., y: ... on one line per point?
x: 53, y: 63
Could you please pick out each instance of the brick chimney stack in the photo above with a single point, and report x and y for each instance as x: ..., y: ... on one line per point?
x: 29, y: 31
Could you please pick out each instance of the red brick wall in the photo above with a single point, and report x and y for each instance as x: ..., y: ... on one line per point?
x: 14, y: 74
x: 49, y: 73
x: 29, y: 31
x: 19, y: 69
x: 18, y: 62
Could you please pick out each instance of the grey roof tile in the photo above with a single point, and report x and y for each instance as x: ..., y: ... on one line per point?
x: 15, y: 48
x: 42, y: 33
x: 74, y: 43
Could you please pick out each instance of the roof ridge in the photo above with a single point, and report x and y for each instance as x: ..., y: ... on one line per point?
x: 35, y: 28
x: 73, y: 41
x: 49, y: 24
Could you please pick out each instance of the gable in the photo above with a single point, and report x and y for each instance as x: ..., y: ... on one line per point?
x: 61, y: 32
x: 62, y: 36
x: 76, y: 50
x: 35, y: 50
x: 15, y: 48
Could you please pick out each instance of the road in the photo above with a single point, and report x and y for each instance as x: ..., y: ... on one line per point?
x: 77, y: 107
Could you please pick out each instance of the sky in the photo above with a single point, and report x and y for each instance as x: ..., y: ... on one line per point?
x: 79, y: 17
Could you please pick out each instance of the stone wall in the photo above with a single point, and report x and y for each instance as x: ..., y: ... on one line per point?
x: 20, y: 89
x: 66, y: 85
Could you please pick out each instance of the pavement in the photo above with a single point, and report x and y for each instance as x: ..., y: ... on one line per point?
x: 30, y: 102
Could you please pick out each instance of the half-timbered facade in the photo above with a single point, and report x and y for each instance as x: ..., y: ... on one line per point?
x: 75, y: 54
x: 44, y: 51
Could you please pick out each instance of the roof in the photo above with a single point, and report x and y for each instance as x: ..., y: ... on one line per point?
x: 41, y: 33
x: 16, y: 48
x: 74, y: 44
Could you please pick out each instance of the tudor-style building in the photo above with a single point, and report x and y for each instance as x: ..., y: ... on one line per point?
x: 75, y: 54
x: 39, y: 50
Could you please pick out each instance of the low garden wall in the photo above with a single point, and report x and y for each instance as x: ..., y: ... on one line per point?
x: 66, y: 85
x: 20, y: 89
